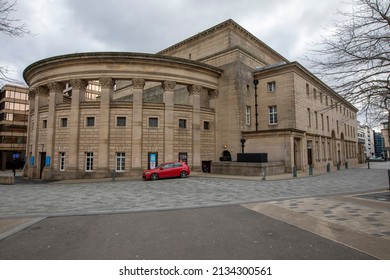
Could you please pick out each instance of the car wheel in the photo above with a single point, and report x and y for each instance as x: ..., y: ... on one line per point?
x: 153, y: 177
x: 183, y: 174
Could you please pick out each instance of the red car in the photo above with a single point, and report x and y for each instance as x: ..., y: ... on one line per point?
x: 167, y: 170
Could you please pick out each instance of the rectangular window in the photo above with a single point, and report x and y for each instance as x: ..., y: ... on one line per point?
x: 322, y: 121
x: 153, y: 122
x: 44, y: 124
x: 248, y: 115
x: 316, y: 118
x: 327, y: 122
x: 62, y: 161
x: 120, y: 121
x: 120, y: 162
x: 206, y: 125
x: 90, y: 121
x: 309, y: 116
x: 89, y: 161
x: 182, y: 123
x: 64, y: 122
x: 323, y: 151
x: 271, y: 86
x: 273, y: 114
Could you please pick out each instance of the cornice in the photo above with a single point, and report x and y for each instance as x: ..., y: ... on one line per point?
x: 116, y: 56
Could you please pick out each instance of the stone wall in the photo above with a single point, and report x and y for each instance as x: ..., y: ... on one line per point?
x: 247, y: 168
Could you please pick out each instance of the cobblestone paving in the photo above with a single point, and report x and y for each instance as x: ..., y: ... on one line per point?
x: 351, y: 214
x: 37, y: 200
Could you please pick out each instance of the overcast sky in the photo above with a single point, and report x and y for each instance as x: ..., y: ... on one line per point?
x: 71, y: 26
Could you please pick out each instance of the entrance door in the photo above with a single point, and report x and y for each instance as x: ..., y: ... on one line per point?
x: 42, y: 164
x: 309, y: 153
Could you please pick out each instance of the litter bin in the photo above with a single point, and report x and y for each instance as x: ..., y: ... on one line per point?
x: 206, y: 166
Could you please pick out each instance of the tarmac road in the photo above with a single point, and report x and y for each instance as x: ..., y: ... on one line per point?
x: 226, y: 232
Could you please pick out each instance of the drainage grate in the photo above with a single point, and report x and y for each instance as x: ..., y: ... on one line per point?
x: 381, y: 196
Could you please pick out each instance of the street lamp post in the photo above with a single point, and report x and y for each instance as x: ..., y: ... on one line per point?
x: 256, y: 82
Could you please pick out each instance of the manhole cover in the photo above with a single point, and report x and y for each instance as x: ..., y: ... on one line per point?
x: 381, y: 196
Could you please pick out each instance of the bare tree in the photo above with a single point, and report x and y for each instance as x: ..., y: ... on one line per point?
x: 355, y: 60
x: 11, y: 27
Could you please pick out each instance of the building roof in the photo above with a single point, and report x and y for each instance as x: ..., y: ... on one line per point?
x: 226, y: 24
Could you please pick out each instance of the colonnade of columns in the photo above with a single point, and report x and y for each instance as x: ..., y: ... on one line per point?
x: 52, y: 95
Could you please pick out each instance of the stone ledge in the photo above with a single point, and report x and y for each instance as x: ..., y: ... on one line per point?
x: 247, y: 168
x: 7, y: 180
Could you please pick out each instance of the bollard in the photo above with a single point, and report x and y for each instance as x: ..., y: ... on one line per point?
x: 368, y: 161
x: 388, y: 175
x: 328, y: 167
x: 338, y: 166
x: 310, y: 169
x: 113, y: 175
x: 263, y: 171
x: 294, y: 171
x: 346, y: 164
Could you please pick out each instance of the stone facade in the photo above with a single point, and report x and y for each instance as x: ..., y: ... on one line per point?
x: 195, y: 99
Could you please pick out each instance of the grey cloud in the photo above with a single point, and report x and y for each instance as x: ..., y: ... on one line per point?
x: 69, y: 26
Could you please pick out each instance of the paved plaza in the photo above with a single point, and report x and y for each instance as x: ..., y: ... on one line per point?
x: 327, y: 204
x: 59, y: 199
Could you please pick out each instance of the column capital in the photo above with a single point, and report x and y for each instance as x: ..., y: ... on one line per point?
x: 168, y: 85
x: 55, y: 86
x: 194, y: 89
x: 38, y: 91
x: 78, y: 84
x: 138, y: 83
x: 106, y: 82
x: 213, y: 94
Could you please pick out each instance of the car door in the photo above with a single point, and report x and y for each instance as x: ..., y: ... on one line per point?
x: 177, y: 168
x: 166, y: 170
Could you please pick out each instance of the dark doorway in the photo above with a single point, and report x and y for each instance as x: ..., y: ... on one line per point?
x: 42, y: 164
x: 309, y: 153
x: 183, y: 156
x: 226, y: 156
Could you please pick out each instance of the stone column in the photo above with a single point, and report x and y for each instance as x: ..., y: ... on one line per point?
x: 168, y: 99
x: 55, y: 97
x: 194, y: 92
x: 104, y: 124
x: 38, y: 99
x: 136, y: 146
x: 78, y: 95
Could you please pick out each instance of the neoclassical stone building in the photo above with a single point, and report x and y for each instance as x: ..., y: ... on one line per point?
x: 92, y: 113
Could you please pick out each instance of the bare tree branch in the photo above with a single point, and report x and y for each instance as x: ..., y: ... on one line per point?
x: 13, y: 28
x: 8, y: 24
x: 355, y: 60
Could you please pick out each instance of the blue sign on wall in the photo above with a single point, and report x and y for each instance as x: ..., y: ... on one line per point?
x: 47, y: 160
x: 32, y: 160
x: 152, y: 160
